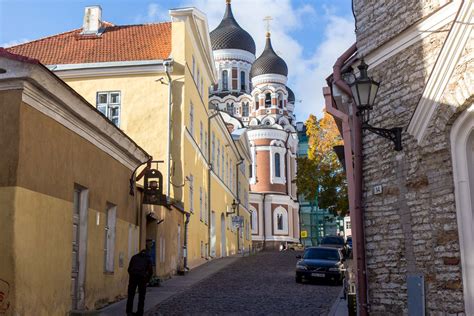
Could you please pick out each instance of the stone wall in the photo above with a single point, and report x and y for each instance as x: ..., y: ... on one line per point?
x: 411, y: 227
x: 373, y: 16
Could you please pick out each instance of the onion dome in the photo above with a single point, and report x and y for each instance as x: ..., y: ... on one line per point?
x: 269, y: 62
x: 229, y: 35
x: 291, y: 95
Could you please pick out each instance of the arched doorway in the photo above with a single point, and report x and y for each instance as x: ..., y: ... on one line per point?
x: 462, y: 150
x: 223, y: 241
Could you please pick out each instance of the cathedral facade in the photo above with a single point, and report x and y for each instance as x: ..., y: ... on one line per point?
x: 251, y: 93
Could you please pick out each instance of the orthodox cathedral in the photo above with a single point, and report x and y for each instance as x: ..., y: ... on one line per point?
x: 251, y: 93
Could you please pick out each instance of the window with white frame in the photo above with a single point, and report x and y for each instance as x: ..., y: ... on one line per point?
x: 213, y: 150
x: 109, y: 250
x: 277, y: 162
x: 200, y: 203
x: 108, y: 103
x: 206, y: 213
x: 191, y: 194
x: 191, y: 119
x: 225, y: 80
x: 280, y: 221
x: 254, y: 220
x: 201, y: 136
x: 245, y: 109
x: 218, y: 157
x: 230, y: 108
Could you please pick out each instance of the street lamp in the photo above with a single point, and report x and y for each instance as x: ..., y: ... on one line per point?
x: 364, y: 90
x: 234, y: 207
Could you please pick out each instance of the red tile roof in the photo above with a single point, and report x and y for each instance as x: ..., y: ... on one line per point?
x: 116, y: 43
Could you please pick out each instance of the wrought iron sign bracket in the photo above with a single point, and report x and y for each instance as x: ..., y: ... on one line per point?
x: 394, y: 134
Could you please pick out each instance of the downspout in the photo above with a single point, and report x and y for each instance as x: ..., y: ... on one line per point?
x: 354, y: 175
x: 264, y: 223
x: 209, y: 169
x: 238, y: 198
x: 168, y: 64
x: 185, y: 246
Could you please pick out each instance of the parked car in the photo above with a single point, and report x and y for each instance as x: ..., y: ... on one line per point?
x: 335, y: 242
x: 320, y: 263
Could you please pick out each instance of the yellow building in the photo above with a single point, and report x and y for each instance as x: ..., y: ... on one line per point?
x: 152, y: 81
x: 68, y: 225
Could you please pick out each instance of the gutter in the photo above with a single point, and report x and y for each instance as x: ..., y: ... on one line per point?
x: 354, y: 173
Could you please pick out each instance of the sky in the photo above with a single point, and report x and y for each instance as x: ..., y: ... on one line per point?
x: 308, y: 34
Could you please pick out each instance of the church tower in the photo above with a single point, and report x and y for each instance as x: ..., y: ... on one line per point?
x: 253, y: 94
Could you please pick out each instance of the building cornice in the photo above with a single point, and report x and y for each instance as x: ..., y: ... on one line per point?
x: 233, y: 54
x: 269, y: 78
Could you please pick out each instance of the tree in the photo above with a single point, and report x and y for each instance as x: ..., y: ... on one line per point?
x: 321, y: 174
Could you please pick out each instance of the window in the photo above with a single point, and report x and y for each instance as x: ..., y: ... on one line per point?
x: 200, y: 203
x: 194, y: 67
x: 206, y: 213
x: 109, y: 249
x: 257, y: 102
x: 268, y: 100
x: 197, y: 80
x: 245, y: 109
x: 202, y: 87
x: 213, y: 153
x: 222, y: 153
x: 225, y: 80
x: 254, y: 221
x: 218, y: 157
x: 108, y: 103
x: 230, y: 108
x: 250, y: 171
x: 280, y: 100
x: 280, y: 221
x: 191, y: 194
x: 234, y: 79
x: 277, y: 165
x: 201, y: 135
x: 202, y: 249
x: 191, y: 119
x: 205, y: 145
x: 348, y: 225
x: 242, y: 80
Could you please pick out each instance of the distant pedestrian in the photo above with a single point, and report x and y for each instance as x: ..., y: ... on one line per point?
x: 140, y: 271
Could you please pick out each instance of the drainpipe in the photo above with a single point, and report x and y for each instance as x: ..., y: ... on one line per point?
x: 185, y: 246
x: 209, y: 169
x: 168, y: 64
x: 264, y: 223
x: 354, y: 174
x: 238, y: 198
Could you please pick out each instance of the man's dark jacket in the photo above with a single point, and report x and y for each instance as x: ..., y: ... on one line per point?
x: 141, y: 265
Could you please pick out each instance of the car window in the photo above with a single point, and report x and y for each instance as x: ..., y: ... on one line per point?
x: 332, y: 240
x: 324, y: 254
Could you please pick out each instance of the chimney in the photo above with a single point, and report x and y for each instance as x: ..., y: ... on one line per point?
x: 92, y: 20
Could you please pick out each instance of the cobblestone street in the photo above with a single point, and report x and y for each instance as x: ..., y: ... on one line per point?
x: 262, y: 284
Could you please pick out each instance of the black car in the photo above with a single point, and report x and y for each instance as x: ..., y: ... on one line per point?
x: 320, y: 263
x: 335, y: 242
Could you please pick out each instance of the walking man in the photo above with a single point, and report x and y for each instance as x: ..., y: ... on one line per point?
x: 140, y: 271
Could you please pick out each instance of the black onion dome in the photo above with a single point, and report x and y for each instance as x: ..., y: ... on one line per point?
x: 291, y: 95
x: 269, y: 62
x: 229, y: 34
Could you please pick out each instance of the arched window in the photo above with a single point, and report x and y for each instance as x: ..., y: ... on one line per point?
x: 245, y: 109
x: 257, y: 102
x: 254, y: 221
x: 280, y: 100
x: 242, y: 81
x: 225, y: 80
x: 230, y: 108
x: 268, y: 100
x: 277, y: 165
x: 280, y: 221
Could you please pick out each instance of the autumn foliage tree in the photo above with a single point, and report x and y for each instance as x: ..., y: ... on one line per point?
x: 321, y: 174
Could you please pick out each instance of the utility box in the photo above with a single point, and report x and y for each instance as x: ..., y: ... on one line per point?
x: 416, y: 294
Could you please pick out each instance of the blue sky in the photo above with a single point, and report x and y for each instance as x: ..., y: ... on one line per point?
x: 308, y: 34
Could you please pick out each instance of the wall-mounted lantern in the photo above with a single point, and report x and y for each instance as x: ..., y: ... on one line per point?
x: 364, y: 90
x: 152, y: 186
x: 234, y: 207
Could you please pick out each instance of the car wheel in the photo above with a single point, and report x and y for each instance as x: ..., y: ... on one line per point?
x: 299, y: 279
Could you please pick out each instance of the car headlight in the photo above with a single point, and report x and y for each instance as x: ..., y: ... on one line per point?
x: 301, y: 267
x: 335, y: 269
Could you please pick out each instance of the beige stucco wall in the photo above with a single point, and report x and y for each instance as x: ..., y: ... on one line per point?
x: 43, y: 161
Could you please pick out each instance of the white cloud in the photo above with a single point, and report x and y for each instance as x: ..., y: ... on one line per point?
x: 155, y: 13
x: 14, y: 42
x: 306, y: 75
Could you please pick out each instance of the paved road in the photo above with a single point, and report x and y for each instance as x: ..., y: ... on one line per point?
x: 262, y: 284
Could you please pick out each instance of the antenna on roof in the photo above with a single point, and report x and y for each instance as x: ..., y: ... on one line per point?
x: 267, y: 20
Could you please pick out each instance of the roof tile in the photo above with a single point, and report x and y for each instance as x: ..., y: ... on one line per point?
x: 116, y: 43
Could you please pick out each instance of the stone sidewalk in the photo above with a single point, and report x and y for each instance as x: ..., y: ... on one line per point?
x: 171, y: 287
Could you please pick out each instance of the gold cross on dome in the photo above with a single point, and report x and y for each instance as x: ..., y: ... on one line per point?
x: 267, y: 20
